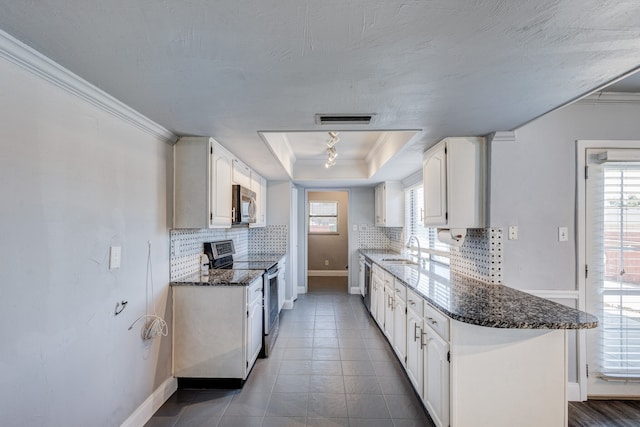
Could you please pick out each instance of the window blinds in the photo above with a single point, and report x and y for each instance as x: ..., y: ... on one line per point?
x: 431, y: 247
x: 614, y: 268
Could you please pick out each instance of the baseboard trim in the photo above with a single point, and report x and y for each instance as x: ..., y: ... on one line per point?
x: 317, y: 273
x: 355, y: 291
x: 144, y: 412
x: 302, y: 290
x: 287, y: 305
x: 573, y: 392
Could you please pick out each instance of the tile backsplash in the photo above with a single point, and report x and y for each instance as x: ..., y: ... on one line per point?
x: 187, y: 244
x: 479, y: 257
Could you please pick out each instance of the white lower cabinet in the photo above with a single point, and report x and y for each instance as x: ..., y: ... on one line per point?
x: 378, y: 309
x: 217, y: 330
x: 400, y: 322
x: 388, y: 307
x: 254, y: 321
x: 414, y: 362
x: 469, y: 375
x: 436, y: 376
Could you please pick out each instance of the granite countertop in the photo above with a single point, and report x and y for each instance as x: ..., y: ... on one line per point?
x: 219, y: 278
x: 478, y: 303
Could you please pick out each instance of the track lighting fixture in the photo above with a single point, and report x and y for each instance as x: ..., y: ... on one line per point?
x: 331, y: 149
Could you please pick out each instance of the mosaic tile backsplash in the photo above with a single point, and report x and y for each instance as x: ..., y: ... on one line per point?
x: 479, y: 257
x: 187, y: 245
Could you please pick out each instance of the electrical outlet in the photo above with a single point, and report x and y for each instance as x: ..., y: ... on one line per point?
x: 563, y: 234
x: 115, y: 256
x: 513, y: 232
x: 326, y: 262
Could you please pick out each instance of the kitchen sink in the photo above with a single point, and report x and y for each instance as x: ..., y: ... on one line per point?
x: 399, y: 261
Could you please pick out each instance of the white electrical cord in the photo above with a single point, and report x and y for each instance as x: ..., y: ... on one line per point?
x: 154, y: 325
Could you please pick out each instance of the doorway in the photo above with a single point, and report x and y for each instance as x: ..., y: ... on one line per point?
x: 610, y: 229
x: 327, y: 241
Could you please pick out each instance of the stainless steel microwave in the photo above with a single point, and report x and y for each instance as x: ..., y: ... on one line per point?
x: 243, y: 205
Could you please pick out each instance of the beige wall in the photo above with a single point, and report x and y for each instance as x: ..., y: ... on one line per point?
x: 333, y: 247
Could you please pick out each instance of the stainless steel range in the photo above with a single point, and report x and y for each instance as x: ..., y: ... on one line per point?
x: 220, y: 255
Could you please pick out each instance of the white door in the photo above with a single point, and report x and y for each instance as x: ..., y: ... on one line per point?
x: 612, y: 256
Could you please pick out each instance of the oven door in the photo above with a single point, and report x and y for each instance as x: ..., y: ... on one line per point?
x: 270, y: 299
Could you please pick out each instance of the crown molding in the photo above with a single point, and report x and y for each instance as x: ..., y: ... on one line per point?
x: 36, y: 63
x: 611, y: 98
x: 502, y: 136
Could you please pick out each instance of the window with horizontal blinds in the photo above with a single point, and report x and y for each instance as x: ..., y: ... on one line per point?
x: 431, y: 247
x: 323, y: 217
x: 615, y: 195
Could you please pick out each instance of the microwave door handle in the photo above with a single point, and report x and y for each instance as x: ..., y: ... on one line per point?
x: 233, y: 214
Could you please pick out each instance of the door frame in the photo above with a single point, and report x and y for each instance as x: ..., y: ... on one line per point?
x: 305, y: 287
x: 581, y: 241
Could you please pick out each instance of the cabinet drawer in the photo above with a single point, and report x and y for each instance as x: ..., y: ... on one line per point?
x: 400, y: 290
x: 437, y: 321
x: 414, y: 301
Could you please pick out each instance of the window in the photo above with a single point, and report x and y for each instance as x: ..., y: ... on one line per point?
x: 323, y: 217
x: 431, y: 247
x: 620, y: 270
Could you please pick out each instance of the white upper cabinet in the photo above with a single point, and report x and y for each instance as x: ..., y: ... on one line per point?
x: 241, y: 174
x: 454, y: 172
x: 202, y: 184
x: 389, y: 204
x: 259, y: 186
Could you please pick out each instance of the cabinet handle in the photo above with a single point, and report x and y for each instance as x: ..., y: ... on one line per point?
x: 397, y: 290
x: 433, y: 322
x: 422, y: 341
x: 415, y: 332
x: 412, y: 302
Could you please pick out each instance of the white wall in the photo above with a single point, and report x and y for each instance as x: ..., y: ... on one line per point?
x: 75, y: 180
x: 533, y: 186
x: 279, y: 213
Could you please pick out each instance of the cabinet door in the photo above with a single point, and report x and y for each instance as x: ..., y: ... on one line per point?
x: 379, y: 205
x: 361, y: 276
x: 434, y: 170
x: 259, y: 186
x: 415, y: 360
x: 220, y: 197
x: 388, y: 309
x: 380, y: 302
x: 400, y: 328
x: 254, y: 323
x: 241, y: 174
x: 436, y: 377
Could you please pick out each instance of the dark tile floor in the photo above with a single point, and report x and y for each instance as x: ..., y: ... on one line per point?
x: 331, y: 366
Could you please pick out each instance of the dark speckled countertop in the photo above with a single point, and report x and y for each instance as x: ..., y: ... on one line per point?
x: 219, y: 278
x: 231, y: 277
x: 478, y: 303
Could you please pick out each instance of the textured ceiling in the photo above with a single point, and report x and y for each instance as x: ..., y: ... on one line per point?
x: 231, y: 68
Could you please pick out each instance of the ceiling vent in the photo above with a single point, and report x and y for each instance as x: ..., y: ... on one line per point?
x: 344, y: 119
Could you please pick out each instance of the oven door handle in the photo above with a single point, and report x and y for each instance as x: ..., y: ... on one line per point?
x: 272, y: 275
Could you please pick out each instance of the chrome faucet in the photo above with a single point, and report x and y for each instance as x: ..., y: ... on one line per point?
x: 414, y: 237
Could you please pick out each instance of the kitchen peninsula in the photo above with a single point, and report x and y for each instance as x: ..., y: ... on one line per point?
x: 476, y: 353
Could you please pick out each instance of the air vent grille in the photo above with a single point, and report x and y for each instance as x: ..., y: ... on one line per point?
x: 344, y: 119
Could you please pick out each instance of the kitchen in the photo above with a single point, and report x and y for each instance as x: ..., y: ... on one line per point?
x: 80, y: 178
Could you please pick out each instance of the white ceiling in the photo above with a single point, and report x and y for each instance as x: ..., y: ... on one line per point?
x: 232, y: 68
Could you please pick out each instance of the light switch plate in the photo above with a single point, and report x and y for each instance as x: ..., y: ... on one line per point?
x: 563, y: 234
x: 115, y: 255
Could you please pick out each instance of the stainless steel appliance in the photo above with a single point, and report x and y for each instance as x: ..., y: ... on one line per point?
x: 220, y: 255
x: 367, y: 284
x: 243, y: 205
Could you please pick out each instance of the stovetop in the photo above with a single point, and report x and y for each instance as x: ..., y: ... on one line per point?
x: 247, y: 265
